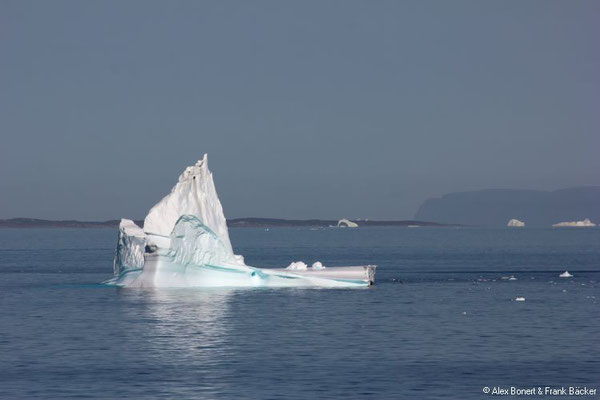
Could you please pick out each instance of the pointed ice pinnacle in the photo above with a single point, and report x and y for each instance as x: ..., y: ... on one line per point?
x: 194, y: 194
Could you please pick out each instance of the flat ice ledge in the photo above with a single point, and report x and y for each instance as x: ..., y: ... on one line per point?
x: 163, y: 271
x: 363, y: 273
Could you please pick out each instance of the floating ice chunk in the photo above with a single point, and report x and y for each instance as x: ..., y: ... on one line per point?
x: 566, y: 274
x: 346, y: 223
x: 318, y: 265
x: 516, y: 223
x: 297, y: 265
x: 519, y: 298
x: 130, y: 247
x: 512, y: 278
x: 585, y: 223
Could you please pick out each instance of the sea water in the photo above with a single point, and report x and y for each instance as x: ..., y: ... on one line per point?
x: 441, y: 321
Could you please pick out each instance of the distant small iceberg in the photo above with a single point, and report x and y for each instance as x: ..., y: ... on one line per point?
x: 519, y: 298
x: 318, y: 265
x: 346, y: 223
x: 516, y: 223
x: 586, y: 222
x: 566, y: 274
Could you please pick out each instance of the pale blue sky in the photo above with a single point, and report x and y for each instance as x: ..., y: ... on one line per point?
x: 324, y: 109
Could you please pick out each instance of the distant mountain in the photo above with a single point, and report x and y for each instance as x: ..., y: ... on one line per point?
x: 495, y: 207
x: 232, y: 223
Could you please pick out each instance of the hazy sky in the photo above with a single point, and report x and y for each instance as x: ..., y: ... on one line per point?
x: 358, y: 109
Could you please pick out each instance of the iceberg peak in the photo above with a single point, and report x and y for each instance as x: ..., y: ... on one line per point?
x: 194, y: 194
x: 197, y: 170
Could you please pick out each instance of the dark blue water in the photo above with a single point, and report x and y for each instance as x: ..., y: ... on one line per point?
x: 440, y: 323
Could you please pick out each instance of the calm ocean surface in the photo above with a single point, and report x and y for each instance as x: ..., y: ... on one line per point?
x: 440, y: 323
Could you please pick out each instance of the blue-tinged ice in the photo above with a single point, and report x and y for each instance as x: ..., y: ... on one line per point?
x: 185, y: 243
x: 130, y: 248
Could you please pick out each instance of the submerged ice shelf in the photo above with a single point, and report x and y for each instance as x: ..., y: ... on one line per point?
x: 185, y: 243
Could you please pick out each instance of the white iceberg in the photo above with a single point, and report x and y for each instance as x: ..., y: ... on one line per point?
x: 185, y: 243
x: 586, y: 222
x: 519, y: 298
x: 516, y: 223
x: 565, y: 274
x: 346, y: 223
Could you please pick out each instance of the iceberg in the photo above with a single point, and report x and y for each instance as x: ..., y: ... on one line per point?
x: 185, y: 243
x: 346, y: 223
x: 566, y: 274
x: 516, y: 223
x: 586, y: 222
x: 318, y: 265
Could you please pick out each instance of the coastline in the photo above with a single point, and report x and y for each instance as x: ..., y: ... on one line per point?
x: 249, y: 222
